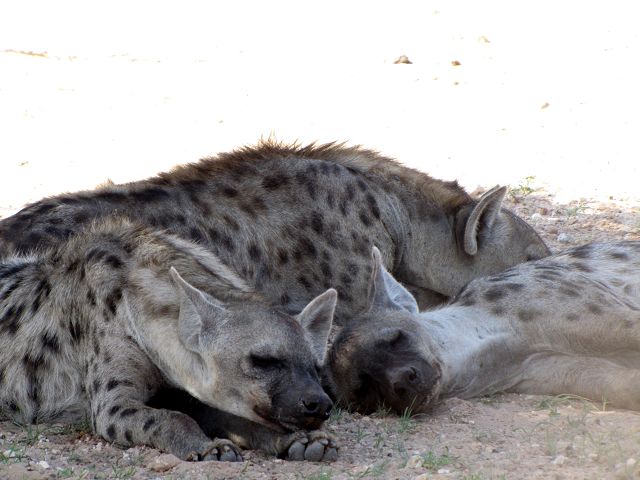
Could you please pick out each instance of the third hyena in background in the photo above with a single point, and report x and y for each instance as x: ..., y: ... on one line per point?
x: 294, y: 221
x: 565, y: 324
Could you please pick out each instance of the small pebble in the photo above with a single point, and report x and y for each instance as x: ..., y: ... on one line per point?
x: 535, y: 217
x: 163, y: 462
x: 559, y: 460
x: 43, y: 464
x: 415, y: 461
x: 564, y: 238
x: 631, y: 462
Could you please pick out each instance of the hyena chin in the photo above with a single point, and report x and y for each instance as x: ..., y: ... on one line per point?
x: 94, y: 327
x: 566, y: 324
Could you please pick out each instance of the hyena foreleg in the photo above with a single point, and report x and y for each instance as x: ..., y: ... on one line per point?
x: 118, y: 391
x: 314, y: 445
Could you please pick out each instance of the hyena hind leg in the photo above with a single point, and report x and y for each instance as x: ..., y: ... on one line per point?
x: 598, y: 379
x: 119, y: 413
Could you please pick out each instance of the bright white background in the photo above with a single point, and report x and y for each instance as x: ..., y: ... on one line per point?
x: 543, y: 88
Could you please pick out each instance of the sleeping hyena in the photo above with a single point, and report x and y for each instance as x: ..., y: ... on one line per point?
x: 293, y: 221
x: 569, y: 323
x: 92, y: 328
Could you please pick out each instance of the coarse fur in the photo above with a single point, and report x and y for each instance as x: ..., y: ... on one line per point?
x: 566, y: 324
x: 93, y: 327
x: 294, y: 221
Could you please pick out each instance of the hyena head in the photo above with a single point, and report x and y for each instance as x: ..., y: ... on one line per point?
x: 382, y: 357
x: 255, y: 361
x: 487, y: 239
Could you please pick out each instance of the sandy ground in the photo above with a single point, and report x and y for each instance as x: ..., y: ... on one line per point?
x: 540, y: 96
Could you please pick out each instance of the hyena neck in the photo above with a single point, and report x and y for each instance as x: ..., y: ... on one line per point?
x: 477, y: 350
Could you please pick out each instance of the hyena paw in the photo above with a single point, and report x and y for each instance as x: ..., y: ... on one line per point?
x: 218, y: 450
x: 314, y: 446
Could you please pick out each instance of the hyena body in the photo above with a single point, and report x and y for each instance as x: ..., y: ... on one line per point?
x: 94, y: 327
x: 294, y: 221
x: 566, y: 324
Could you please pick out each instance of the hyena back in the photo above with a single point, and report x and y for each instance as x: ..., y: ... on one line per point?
x: 94, y: 327
x: 294, y: 221
x: 566, y: 324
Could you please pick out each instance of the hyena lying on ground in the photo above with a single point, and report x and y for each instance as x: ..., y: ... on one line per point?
x: 569, y: 323
x: 92, y: 328
x: 293, y: 221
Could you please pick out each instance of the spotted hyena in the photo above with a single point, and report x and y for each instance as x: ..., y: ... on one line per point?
x: 295, y: 221
x: 92, y: 328
x: 569, y: 323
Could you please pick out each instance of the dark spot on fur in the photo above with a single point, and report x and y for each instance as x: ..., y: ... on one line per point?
x: 283, y: 257
x: 593, y: 308
x: 582, y: 267
x: 10, y: 321
x: 128, y: 436
x: 50, y: 342
x: 284, y: 299
x: 498, y: 311
x: 111, y: 384
x: 96, y: 386
x: 583, y: 251
x: 568, y: 292
x: 230, y: 192
x: 231, y: 222
x: 148, y: 424
x: 274, y: 182
x: 373, y: 206
x: 330, y: 200
x: 305, y: 248
x: 527, y: 315
x: 150, y: 194
x: 112, y: 300
x: 304, y: 281
x: 619, y: 255
x: 254, y: 252
x: 111, y: 432
x: 95, y: 254
x: 326, y: 269
x: 514, y: 287
x: 494, y: 293
x: 115, y: 409
x: 365, y: 219
x: 572, y: 317
x: 127, y: 412
x: 113, y: 261
x: 317, y: 222
x: 248, y: 209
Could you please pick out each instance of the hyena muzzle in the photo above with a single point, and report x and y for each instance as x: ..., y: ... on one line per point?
x: 94, y: 327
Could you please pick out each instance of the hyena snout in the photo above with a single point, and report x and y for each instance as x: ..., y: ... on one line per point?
x: 316, y: 405
x: 412, y: 385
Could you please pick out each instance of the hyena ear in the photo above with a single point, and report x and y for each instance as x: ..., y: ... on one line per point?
x: 482, y: 217
x: 385, y: 291
x: 199, y: 313
x: 316, y: 319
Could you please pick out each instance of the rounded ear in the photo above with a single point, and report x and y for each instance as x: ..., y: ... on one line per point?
x: 199, y: 313
x: 385, y: 291
x: 482, y: 216
x: 316, y: 320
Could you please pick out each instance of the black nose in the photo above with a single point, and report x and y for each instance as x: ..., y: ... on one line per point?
x: 317, y: 406
x: 405, y: 380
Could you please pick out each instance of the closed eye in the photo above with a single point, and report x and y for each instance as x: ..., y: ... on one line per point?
x: 266, y: 362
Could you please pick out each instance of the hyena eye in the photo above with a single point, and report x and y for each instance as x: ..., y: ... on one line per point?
x: 266, y: 362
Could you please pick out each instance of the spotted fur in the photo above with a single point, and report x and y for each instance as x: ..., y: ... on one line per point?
x: 566, y: 324
x: 92, y: 328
